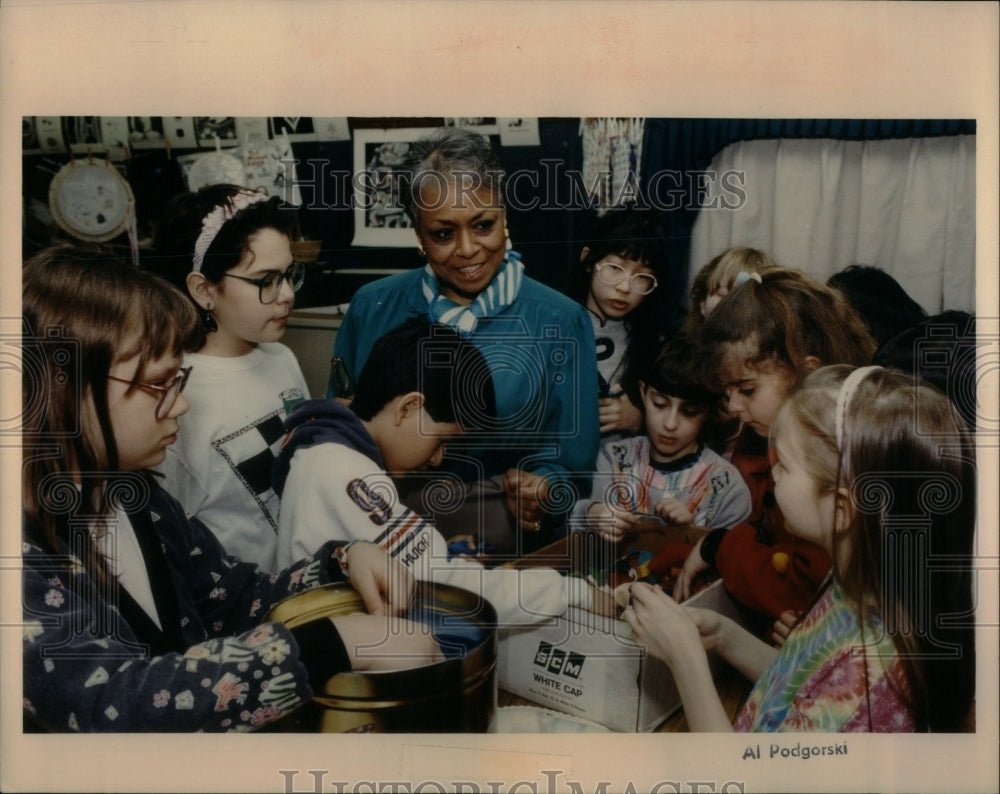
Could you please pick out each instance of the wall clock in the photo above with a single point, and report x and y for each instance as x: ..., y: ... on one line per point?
x: 91, y: 200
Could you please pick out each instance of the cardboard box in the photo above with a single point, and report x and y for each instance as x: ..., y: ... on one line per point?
x: 587, y: 665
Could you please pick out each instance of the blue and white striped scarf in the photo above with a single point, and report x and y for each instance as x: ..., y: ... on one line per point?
x: 496, y: 297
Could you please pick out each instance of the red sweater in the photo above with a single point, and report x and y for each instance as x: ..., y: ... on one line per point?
x: 749, y: 556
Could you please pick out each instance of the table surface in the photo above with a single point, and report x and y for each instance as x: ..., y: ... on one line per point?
x: 731, y: 685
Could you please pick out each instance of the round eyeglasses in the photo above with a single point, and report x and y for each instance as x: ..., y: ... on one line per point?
x: 168, y: 393
x: 612, y: 274
x: 269, y: 287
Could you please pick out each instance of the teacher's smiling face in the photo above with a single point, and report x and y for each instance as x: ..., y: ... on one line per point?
x: 463, y: 233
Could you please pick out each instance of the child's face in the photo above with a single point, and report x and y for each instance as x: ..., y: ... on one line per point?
x: 416, y: 443
x: 754, y: 394
x: 141, y: 438
x: 806, y: 513
x: 614, y: 300
x: 243, y: 320
x: 673, y: 425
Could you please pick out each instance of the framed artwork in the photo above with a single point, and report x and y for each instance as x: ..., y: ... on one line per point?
x: 379, y: 219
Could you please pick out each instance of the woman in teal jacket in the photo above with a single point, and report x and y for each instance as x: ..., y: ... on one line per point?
x: 541, y: 446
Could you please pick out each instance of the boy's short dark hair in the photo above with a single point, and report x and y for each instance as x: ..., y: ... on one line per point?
x: 425, y: 357
x: 673, y: 373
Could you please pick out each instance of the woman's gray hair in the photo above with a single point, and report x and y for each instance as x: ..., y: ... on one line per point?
x: 448, y: 154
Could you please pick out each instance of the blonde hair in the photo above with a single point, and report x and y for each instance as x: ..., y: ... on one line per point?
x: 907, y: 498
x: 720, y: 272
x: 724, y: 268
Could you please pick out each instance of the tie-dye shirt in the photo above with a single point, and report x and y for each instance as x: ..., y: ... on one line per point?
x: 822, y: 681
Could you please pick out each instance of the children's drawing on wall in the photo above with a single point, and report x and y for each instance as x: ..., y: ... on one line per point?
x: 378, y: 214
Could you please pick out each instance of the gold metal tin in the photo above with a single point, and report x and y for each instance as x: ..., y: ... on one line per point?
x: 454, y: 696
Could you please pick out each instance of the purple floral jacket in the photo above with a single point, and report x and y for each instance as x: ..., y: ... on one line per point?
x: 91, y: 662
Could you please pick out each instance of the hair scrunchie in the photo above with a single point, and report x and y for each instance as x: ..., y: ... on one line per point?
x: 744, y: 276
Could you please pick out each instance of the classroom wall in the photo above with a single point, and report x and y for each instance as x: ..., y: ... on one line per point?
x: 548, y: 236
x: 548, y: 222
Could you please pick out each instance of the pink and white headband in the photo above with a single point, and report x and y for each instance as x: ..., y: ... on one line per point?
x: 844, y: 397
x: 215, y: 220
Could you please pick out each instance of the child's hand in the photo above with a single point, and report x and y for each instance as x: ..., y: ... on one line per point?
x: 783, y: 626
x: 610, y: 523
x: 602, y: 602
x: 661, y: 624
x: 379, y: 642
x: 386, y: 586
x: 710, y: 627
x: 618, y: 414
x: 673, y: 510
x: 526, y: 495
x: 693, y: 565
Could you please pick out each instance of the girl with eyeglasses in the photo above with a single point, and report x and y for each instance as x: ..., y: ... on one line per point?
x: 617, y: 282
x: 228, y: 249
x: 134, y: 618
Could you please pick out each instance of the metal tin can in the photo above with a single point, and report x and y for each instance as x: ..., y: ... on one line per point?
x: 457, y: 695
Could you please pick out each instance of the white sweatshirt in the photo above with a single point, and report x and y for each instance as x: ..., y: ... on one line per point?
x: 335, y: 492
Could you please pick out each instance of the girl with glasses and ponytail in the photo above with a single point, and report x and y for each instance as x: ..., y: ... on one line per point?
x: 228, y: 249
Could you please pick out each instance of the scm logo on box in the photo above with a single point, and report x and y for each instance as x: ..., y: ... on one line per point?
x: 558, y: 661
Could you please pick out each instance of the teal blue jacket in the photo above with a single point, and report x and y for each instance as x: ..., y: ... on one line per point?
x: 540, y: 351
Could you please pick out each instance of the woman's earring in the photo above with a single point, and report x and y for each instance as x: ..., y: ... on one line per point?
x: 421, y: 251
x: 506, y: 234
x: 208, y: 320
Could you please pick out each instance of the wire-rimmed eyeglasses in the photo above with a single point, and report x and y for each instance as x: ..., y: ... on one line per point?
x: 168, y: 393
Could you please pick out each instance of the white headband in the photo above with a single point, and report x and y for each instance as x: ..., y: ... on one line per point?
x: 844, y: 396
x: 215, y: 220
